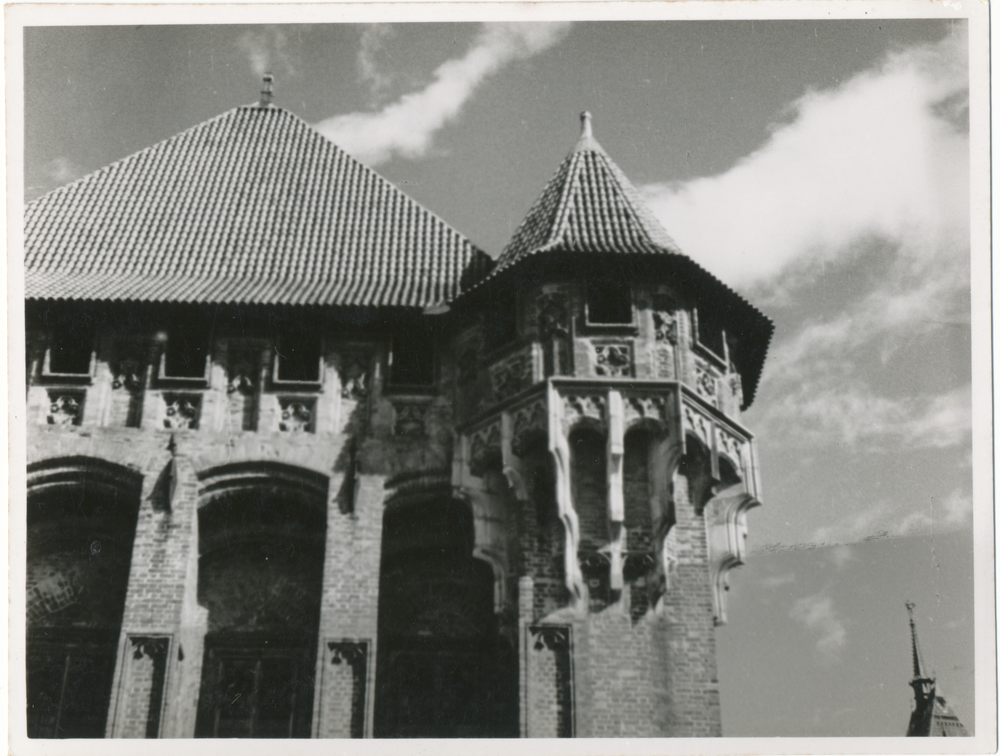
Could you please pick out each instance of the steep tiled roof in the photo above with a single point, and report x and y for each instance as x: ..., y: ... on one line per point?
x: 591, y: 208
x: 588, y: 206
x: 253, y: 206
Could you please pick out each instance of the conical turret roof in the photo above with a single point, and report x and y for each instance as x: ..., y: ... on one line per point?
x: 253, y: 206
x: 588, y: 206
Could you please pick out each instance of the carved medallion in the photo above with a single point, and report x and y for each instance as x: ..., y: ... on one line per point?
x: 64, y: 408
x: 182, y: 411
x: 296, y: 415
x: 613, y: 360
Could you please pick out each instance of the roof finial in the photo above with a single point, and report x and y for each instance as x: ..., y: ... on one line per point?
x: 266, y: 95
x: 585, y: 130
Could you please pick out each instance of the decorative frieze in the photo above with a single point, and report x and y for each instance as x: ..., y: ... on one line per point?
x: 65, y: 407
x: 699, y: 425
x: 579, y: 407
x: 182, y: 411
x: 645, y: 408
x: 613, y: 360
x: 297, y: 415
x: 732, y: 448
x: 511, y: 375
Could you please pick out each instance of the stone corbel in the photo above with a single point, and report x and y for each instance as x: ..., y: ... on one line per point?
x: 727, y: 533
x: 512, y: 465
x: 559, y: 449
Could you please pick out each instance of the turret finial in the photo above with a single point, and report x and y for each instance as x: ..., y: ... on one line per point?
x: 586, y: 132
x: 266, y: 94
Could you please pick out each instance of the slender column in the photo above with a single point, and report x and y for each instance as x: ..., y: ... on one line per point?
x: 616, y: 494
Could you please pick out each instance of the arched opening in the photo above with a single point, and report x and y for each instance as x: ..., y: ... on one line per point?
x: 443, y: 670
x: 260, y: 574
x: 589, y: 491
x: 81, y: 522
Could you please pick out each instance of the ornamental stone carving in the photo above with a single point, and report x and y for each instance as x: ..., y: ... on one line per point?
x: 527, y: 422
x: 645, y: 408
x: 65, y: 408
x: 484, y: 448
x: 354, y: 375
x: 732, y: 447
x: 613, y: 360
x: 552, y: 637
x: 410, y: 419
x: 181, y: 412
x: 576, y: 408
x: 511, y: 376
x: 242, y: 374
x: 665, y: 327
x: 127, y: 374
x: 552, y: 316
x: 706, y: 384
x: 296, y: 415
x: 699, y: 425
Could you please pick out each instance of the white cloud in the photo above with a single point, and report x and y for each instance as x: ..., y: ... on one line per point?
x: 880, y: 155
x: 816, y: 612
x: 889, y: 519
x: 776, y: 581
x: 370, y: 71
x: 407, y: 127
x: 267, y: 51
x: 841, y: 555
x: 61, y: 170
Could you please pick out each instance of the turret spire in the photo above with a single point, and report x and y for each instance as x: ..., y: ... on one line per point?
x: 918, y: 662
x: 586, y: 140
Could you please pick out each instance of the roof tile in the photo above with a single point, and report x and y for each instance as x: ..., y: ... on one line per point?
x: 253, y: 206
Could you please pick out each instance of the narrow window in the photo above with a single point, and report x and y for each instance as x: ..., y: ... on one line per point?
x: 609, y: 303
x: 412, y: 359
x: 298, y: 358
x: 186, y: 353
x: 71, y: 351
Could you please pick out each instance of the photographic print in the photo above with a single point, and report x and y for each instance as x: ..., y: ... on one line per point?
x: 501, y: 373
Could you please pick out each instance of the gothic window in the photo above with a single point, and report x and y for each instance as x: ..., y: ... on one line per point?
x: 412, y: 359
x: 185, y: 353
x: 609, y: 303
x: 70, y: 352
x: 709, y: 330
x: 443, y: 670
x: 299, y: 358
x: 80, y: 527
x: 254, y: 690
x: 260, y: 576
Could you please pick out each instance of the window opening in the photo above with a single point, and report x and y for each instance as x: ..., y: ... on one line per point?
x: 298, y: 358
x: 71, y: 352
x: 609, y: 303
x: 412, y: 359
x: 186, y: 353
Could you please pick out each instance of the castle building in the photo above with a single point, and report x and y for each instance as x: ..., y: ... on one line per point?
x: 305, y: 462
x: 931, y: 715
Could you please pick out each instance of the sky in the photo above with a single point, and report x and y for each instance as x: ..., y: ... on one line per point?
x: 819, y: 167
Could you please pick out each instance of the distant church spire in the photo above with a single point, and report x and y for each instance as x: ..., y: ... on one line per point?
x: 931, y: 714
